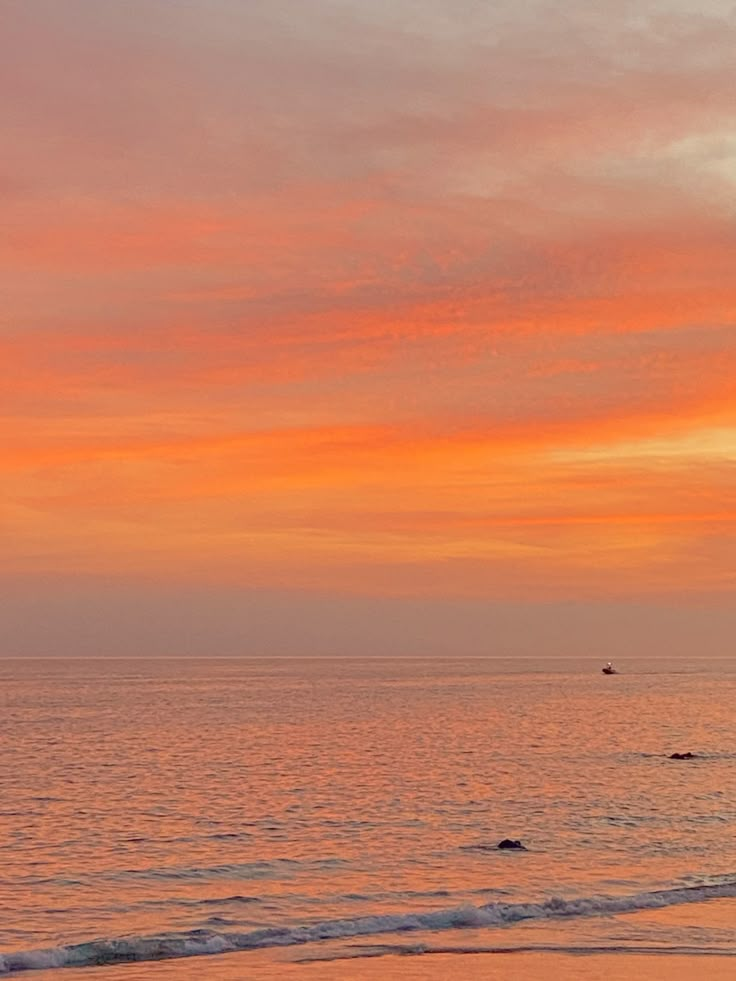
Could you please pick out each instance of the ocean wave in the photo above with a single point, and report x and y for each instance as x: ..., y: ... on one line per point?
x: 199, y: 942
x: 384, y: 950
x: 266, y: 869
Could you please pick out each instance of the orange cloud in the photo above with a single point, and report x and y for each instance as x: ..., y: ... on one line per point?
x: 461, y: 326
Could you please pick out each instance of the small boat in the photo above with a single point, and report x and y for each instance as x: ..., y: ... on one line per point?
x: 609, y: 669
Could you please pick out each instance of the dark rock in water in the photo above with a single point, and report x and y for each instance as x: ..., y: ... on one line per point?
x: 682, y: 756
x: 511, y: 843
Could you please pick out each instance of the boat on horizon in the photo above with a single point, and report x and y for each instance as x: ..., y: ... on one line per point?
x: 609, y: 668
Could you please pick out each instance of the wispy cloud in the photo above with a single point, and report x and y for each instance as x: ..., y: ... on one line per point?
x: 371, y: 297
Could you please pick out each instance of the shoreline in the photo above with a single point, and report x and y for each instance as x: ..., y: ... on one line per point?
x: 442, y: 965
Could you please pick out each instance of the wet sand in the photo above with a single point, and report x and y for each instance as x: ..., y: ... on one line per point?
x: 256, y: 966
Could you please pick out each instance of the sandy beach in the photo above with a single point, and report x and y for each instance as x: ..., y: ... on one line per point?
x: 434, y: 967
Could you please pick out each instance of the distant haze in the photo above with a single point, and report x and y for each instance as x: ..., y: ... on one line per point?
x: 367, y: 328
x: 118, y: 619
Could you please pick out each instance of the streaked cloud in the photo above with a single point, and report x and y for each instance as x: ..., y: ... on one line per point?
x: 391, y: 298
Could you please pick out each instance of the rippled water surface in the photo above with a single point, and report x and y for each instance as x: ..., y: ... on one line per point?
x: 200, y: 806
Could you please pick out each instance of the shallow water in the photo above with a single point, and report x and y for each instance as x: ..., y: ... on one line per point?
x: 157, y: 808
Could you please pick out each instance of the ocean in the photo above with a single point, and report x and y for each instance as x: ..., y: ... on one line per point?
x: 254, y: 817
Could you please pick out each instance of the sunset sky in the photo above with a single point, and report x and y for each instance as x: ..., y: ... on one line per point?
x: 391, y: 326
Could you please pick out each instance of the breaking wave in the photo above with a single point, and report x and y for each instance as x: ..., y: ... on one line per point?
x: 199, y: 942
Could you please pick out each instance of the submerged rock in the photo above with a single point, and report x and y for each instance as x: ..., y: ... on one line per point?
x: 511, y: 843
x: 682, y: 756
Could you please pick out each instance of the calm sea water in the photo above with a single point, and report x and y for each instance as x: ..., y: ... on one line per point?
x: 346, y: 807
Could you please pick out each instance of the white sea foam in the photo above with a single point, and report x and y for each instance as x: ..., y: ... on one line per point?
x: 198, y: 942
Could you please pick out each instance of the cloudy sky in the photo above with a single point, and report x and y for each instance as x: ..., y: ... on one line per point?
x: 401, y: 326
